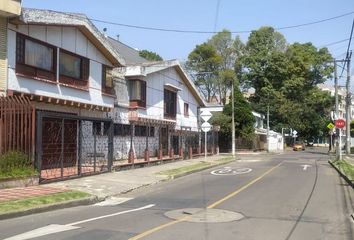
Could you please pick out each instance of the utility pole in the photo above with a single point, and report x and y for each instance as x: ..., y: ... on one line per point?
x: 233, y: 119
x: 336, y: 109
x: 268, y: 126
x: 347, y: 106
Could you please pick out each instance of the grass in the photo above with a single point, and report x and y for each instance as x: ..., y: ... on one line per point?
x: 346, y: 168
x: 194, y: 167
x: 35, y: 202
x: 18, y: 173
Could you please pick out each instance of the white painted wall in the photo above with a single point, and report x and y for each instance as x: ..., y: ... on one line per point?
x: 68, y: 38
x: 155, y: 98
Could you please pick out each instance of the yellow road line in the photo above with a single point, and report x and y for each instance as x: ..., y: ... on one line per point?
x: 148, y: 232
x: 158, y: 228
x: 242, y: 188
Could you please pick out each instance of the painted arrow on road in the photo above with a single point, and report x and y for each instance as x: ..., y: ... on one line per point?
x: 305, y: 167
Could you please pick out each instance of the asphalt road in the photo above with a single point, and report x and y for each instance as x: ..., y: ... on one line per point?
x: 295, y: 195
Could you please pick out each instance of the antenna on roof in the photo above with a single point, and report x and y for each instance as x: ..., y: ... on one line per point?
x: 104, y: 32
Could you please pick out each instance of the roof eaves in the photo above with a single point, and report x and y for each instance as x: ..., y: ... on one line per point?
x: 48, y: 17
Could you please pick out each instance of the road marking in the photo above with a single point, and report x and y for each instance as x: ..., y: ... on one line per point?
x: 158, y: 228
x: 111, y: 215
x: 230, y: 171
x: 305, y: 166
x: 43, y: 231
x: 243, y: 188
x: 56, y: 228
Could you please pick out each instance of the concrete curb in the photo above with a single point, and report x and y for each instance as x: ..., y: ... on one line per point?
x: 342, y: 175
x: 54, y: 206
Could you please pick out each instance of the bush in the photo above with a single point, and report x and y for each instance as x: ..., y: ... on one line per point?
x: 15, y: 164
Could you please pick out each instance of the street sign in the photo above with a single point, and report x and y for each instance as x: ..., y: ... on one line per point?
x: 294, y: 133
x: 330, y: 125
x: 206, y: 127
x: 205, y: 115
x: 340, y: 123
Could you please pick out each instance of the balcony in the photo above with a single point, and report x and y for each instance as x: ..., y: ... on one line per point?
x: 10, y: 8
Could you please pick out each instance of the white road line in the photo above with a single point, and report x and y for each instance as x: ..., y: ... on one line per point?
x: 43, y: 231
x: 56, y: 228
x: 305, y: 167
x: 110, y: 215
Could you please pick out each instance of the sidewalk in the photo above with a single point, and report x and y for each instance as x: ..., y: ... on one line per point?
x: 111, y: 184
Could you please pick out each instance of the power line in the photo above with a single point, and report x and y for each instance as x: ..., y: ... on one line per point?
x: 213, y: 32
x: 216, y: 14
x: 337, y: 42
x: 348, y: 56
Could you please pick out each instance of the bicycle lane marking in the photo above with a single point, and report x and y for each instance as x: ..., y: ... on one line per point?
x: 229, y: 171
x: 158, y: 228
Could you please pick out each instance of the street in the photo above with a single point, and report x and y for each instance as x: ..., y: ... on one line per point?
x: 292, y: 195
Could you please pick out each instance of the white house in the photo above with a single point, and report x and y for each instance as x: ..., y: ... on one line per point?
x: 63, y: 65
x: 156, y: 112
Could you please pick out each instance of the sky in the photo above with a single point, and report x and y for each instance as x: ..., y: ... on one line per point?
x: 211, y: 16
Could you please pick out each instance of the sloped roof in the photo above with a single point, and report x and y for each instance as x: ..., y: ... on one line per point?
x: 145, y: 68
x: 48, y: 17
x: 130, y: 55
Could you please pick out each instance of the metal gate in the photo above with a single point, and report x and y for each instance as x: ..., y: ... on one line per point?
x: 71, y: 146
x: 17, y: 119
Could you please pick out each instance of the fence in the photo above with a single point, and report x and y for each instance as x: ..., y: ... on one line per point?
x: 72, y: 146
x: 17, y: 125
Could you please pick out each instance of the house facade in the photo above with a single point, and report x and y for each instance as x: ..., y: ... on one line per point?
x: 156, y: 110
x: 62, y: 65
x: 94, y: 102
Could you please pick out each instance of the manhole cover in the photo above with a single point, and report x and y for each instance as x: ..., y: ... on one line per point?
x: 204, y: 215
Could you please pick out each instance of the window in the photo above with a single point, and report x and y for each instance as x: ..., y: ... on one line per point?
x: 152, y: 132
x: 121, y: 129
x: 96, y: 128
x: 170, y: 104
x: 35, y: 58
x: 186, y: 109
x: 38, y: 59
x: 107, y: 80
x: 137, y: 93
x: 140, y: 131
x: 73, y: 69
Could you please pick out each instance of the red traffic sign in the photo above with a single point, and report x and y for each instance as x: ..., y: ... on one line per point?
x: 340, y: 123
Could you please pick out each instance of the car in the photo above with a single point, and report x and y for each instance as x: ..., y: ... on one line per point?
x: 299, y: 146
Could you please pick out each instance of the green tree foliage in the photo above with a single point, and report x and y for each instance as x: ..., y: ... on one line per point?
x: 204, y: 62
x: 151, y: 56
x: 244, y: 119
x: 285, y: 77
x: 230, y: 51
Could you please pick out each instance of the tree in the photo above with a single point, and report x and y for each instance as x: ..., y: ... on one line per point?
x: 285, y: 77
x: 151, y: 56
x: 265, y: 52
x: 244, y: 119
x: 203, y: 62
x: 230, y: 51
